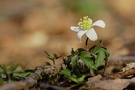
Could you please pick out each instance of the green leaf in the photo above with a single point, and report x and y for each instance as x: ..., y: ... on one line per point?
x: 85, y: 54
x: 12, y: 67
x: 92, y: 71
x: 21, y: 74
x: 88, y: 62
x: 52, y: 57
x: 100, y: 56
x: 77, y: 80
x: 56, y: 56
x: 49, y: 56
x: 74, y: 76
x: 73, y: 61
x: 3, y: 67
x: 66, y: 72
x: 1, y: 81
x: 96, y: 49
x: 80, y: 79
x: 106, y: 52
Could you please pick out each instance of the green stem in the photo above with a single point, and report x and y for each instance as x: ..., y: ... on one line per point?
x: 86, y: 43
x: 101, y: 42
x: 8, y: 77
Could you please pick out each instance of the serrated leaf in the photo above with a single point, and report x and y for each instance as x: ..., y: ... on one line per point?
x: 3, y: 67
x: 85, y: 54
x: 73, y: 61
x: 88, y: 62
x: 74, y: 76
x: 56, y: 56
x: 12, y: 67
x: 96, y: 49
x: 92, y: 71
x: 100, y: 57
x: 77, y: 80
x: 106, y: 52
x: 21, y: 74
x: 106, y: 57
x: 66, y: 72
x: 49, y: 56
x: 80, y: 79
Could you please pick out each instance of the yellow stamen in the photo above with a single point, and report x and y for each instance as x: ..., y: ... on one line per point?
x: 85, y: 23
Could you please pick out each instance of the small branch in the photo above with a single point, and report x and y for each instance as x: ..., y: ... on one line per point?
x: 124, y: 74
x: 53, y: 62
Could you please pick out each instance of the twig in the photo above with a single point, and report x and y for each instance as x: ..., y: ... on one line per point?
x: 123, y: 74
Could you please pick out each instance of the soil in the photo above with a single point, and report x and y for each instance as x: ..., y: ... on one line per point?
x: 119, y: 75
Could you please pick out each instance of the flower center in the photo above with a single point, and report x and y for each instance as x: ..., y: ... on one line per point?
x: 85, y: 23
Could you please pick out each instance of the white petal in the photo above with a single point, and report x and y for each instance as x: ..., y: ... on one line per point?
x: 80, y: 34
x: 91, y: 34
x: 76, y: 29
x: 99, y: 23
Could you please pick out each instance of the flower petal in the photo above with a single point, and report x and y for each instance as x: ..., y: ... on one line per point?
x: 91, y: 34
x: 99, y: 23
x: 80, y: 34
x: 76, y: 29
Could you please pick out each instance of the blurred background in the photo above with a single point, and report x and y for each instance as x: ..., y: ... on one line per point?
x: 30, y: 27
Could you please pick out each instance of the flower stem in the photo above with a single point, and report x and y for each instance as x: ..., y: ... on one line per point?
x: 86, y: 43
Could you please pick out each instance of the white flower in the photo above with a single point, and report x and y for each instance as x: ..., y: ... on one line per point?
x: 86, y: 26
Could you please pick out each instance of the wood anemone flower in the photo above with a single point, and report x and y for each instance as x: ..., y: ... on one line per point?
x: 86, y: 26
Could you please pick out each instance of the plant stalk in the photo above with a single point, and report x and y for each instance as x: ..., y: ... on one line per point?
x: 86, y: 43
